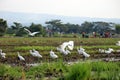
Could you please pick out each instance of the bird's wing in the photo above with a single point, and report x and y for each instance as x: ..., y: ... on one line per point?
x: 80, y: 52
x: 34, y: 33
x: 68, y: 51
x: 27, y: 30
x: 64, y: 45
x: 71, y: 45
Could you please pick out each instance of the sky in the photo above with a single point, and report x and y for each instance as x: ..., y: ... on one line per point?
x: 81, y: 8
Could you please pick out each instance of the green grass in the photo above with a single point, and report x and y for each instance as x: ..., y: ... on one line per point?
x: 59, y: 70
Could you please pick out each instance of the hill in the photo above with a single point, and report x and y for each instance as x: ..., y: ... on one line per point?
x: 28, y: 18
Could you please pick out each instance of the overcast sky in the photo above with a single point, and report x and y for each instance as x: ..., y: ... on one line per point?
x: 82, y: 8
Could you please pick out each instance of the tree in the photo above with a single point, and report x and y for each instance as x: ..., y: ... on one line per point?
x: 18, y: 29
x: 87, y: 27
x: 55, y: 25
x: 117, y: 29
x: 3, y: 27
x: 72, y: 28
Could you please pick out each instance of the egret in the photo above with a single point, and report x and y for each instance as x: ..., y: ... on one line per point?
x: 35, y: 54
x: 110, y: 50
x: 63, y: 50
x: 20, y: 57
x: 60, y: 49
x: 118, y: 43
x: 85, y: 54
x: 117, y: 50
x: 2, y: 54
x: 53, y: 55
x: 101, y: 50
x: 30, y: 33
x: 66, y: 52
x: 82, y: 49
x: 64, y: 45
x: 79, y: 51
x: 71, y: 45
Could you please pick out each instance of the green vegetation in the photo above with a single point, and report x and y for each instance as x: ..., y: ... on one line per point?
x: 60, y: 71
x: 49, y: 69
x: 57, y: 28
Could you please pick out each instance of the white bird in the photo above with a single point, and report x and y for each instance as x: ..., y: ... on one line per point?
x: 20, y: 57
x: 118, y: 43
x: 30, y: 33
x: 66, y: 52
x: 53, y: 55
x: 110, y: 50
x: 79, y: 51
x: 64, y: 45
x: 35, y: 54
x: 101, y: 50
x: 2, y: 54
x: 71, y: 45
x: 60, y: 49
x: 63, y: 50
x: 82, y: 49
x: 117, y: 50
x: 85, y: 54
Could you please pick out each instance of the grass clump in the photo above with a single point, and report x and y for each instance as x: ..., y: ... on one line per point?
x: 79, y: 72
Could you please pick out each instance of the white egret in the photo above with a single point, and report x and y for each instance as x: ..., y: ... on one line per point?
x: 110, y: 50
x: 20, y: 57
x: 2, y: 54
x: 53, y: 55
x: 117, y: 50
x: 35, y: 54
x: 79, y: 51
x: 64, y: 45
x: 85, y: 54
x: 118, y: 43
x: 30, y: 33
x: 101, y: 50
x: 71, y: 45
x: 82, y: 49
x: 63, y: 50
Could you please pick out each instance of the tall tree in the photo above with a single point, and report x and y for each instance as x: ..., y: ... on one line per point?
x: 18, y: 29
x: 3, y: 27
x: 55, y: 25
x: 87, y: 27
x: 117, y: 28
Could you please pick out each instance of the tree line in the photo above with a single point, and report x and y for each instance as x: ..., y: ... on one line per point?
x: 57, y: 27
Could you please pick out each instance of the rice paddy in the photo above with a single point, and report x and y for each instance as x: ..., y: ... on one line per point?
x: 94, y: 68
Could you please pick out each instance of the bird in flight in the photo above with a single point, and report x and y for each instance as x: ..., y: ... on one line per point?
x: 31, y: 33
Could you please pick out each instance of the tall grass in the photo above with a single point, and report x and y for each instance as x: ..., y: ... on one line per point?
x: 79, y: 72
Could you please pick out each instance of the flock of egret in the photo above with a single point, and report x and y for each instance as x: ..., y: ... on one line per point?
x: 64, y: 49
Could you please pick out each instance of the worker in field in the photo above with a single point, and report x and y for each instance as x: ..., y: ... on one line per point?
x: 83, y: 34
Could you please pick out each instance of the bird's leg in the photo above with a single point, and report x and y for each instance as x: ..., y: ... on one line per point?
x: 108, y: 57
x: 84, y: 58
